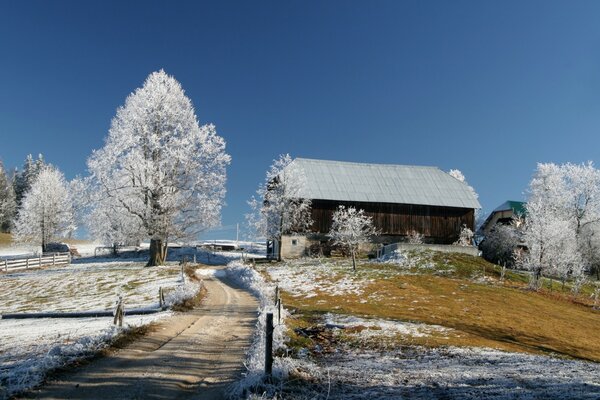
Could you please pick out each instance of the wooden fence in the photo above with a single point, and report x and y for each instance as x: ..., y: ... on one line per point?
x: 45, y: 260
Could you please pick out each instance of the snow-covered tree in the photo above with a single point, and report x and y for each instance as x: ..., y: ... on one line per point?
x: 415, y: 237
x: 160, y: 167
x: 457, y: 174
x: 465, y: 237
x: 280, y: 209
x: 501, y: 244
x: 562, y: 203
x: 7, y: 201
x: 350, y: 229
x: 46, y: 211
x: 22, y: 180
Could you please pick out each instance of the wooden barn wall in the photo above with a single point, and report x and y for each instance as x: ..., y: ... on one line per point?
x: 439, y: 223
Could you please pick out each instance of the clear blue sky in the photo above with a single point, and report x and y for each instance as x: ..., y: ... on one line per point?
x: 490, y: 88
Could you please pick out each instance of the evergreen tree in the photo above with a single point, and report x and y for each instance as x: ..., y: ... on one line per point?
x: 7, y: 201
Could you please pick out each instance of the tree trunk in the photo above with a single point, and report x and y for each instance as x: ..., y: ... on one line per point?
x: 279, y: 243
x: 158, y: 253
x: 353, y: 260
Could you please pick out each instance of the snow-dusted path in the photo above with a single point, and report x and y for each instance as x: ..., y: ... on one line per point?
x: 192, y: 355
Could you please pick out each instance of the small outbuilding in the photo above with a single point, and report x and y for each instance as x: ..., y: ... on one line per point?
x: 504, y: 214
x: 401, y: 199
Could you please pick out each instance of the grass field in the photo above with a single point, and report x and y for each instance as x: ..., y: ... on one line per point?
x: 459, y: 292
x: 5, y: 239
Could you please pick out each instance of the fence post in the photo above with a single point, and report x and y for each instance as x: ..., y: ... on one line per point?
x: 6, y: 265
x: 27, y: 263
x: 161, y: 297
x: 119, y: 313
x: 276, y: 293
x: 279, y: 311
x: 53, y: 259
x: 269, y: 345
x: 40, y: 261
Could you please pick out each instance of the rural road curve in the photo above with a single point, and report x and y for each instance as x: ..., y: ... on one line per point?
x: 195, y: 355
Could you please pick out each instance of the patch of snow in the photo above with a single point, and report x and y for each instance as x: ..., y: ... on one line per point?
x: 29, y: 348
x: 449, y: 373
x: 383, y: 328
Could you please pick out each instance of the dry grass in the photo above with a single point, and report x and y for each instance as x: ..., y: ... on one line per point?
x: 5, y: 239
x: 482, y: 312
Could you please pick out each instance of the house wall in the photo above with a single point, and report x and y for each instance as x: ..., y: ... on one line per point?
x: 440, y: 225
x: 294, y: 246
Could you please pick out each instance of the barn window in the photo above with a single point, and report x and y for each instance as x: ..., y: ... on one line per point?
x: 294, y: 242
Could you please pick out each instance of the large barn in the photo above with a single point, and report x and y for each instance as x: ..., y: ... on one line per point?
x: 400, y: 198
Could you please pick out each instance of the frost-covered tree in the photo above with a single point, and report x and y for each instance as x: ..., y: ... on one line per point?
x: 457, y: 174
x: 280, y: 209
x: 501, y: 244
x: 7, y: 201
x: 465, y: 237
x: 22, y: 180
x: 46, y: 211
x: 351, y: 228
x: 562, y: 203
x: 160, y: 167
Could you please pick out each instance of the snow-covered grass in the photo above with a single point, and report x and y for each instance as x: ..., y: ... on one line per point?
x: 448, y: 373
x: 429, y: 325
x: 29, y: 348
x: 250, y: 279
x: 85, y: 286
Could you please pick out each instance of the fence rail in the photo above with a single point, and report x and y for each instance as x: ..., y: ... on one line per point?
x: 55, y: 259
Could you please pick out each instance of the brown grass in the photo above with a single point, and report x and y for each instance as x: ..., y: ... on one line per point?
x: 502, y: 315
x: 5, y: 239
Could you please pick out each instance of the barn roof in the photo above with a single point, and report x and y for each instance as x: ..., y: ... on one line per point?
x: 383, y: 183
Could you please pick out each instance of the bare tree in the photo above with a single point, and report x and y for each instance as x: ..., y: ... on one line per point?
x: 350, y: 229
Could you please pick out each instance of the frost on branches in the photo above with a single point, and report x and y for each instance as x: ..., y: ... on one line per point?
x: 351, y: 228
x: 280, y: 209
x: 7, y: 201
x: 46, y: 211
x: 159, y: 169
x: 563, y: 211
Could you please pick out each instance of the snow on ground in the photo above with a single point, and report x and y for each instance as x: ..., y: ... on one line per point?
x: 378, y: 328
x: 448, y: 373
x: 303, y: 278
x: 84, y: 286
x: 351, y: 371
x: 30, y: 347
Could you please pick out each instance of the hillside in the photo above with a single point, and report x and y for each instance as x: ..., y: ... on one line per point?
x: 431, y: 324
x: 454, y: 291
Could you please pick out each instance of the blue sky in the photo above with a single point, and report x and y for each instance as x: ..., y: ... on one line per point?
x: 490, y: 88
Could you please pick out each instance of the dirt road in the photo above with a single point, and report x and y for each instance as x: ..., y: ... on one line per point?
x: 193, y: 355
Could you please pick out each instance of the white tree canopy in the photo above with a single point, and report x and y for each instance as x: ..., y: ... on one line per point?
x: 350, y: 228
x: 563, y: 210
x: 159, y: 166
x: 7, y: 200
x: 279, y: 209
x: 46, y: 212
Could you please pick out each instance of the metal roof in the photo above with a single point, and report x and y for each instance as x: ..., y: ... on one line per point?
x: 383, y: 183
x: 517, y: 207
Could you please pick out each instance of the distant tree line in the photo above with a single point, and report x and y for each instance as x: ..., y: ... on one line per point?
x: 14, y: 186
